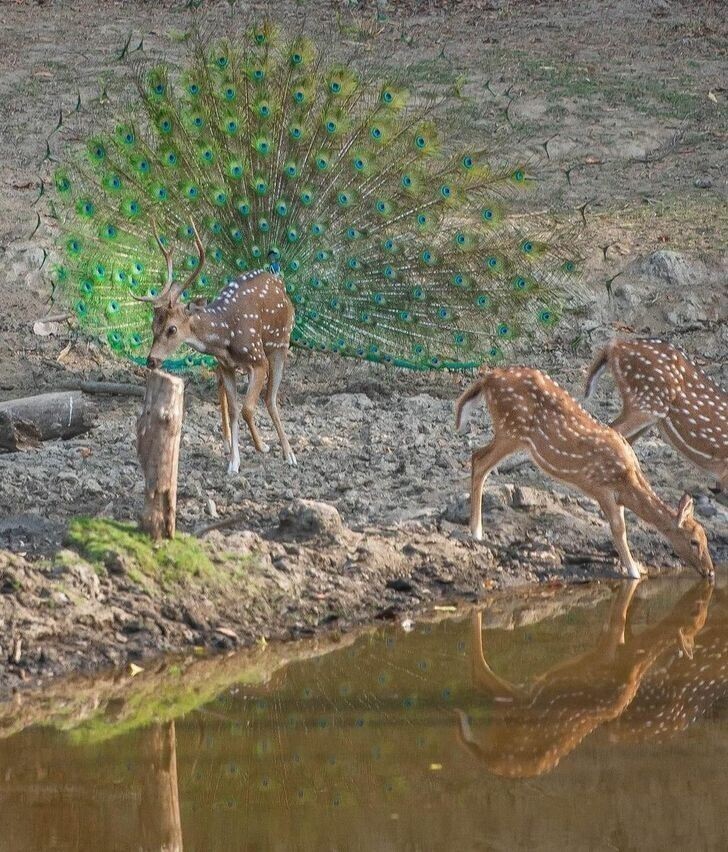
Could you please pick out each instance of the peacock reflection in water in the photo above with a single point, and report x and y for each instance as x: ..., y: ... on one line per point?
x: 430, y: 734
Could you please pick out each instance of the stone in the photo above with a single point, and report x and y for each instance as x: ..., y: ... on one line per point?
x: 311, y: 519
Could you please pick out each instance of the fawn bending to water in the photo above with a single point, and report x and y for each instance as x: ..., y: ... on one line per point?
x: 531, y: 412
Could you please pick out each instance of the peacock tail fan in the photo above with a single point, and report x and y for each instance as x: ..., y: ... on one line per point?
x: 394, y: 247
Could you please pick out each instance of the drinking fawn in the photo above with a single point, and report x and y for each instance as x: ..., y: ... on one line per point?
x: 247, y: 326
x: 531, y: 412
x: 658, y: 384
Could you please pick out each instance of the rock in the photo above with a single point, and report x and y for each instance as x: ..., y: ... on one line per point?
x: 211, y: 508
x: 525, y: 497
x: 311, y: 518
x: 399, y: 584
x: 703, y: 182
x: 457, y: 509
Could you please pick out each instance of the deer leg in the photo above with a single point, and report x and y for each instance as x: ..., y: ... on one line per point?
x: 276, y: 362
x: 615, y: 627
x: 483, y: 675
x: 256, y: 381
x: 230, y: 413
x: 224, y: 411
x: 483, y: 461
x: 631, y: 424
x: 615, y: 516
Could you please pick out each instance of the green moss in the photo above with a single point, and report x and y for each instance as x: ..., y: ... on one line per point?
x: 104, y: 542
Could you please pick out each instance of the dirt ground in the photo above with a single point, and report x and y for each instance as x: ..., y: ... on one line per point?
x: 628, y: 115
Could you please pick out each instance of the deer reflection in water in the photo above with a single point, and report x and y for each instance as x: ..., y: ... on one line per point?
x: 532, y: 728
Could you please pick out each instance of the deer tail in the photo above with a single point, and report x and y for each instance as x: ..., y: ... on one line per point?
x: 598, y: 366
x: 467, y: 401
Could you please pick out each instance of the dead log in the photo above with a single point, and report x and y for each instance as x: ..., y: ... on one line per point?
x: 27, y: 422
x: 159, y: 428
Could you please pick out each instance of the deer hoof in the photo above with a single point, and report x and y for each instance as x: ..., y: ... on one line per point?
x: 264, y: 448
x: 291, y: 458
x: 233, y: 468
x: 636, y: 571
x: 478, y: 534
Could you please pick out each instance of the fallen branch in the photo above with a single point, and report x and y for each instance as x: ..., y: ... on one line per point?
x: 116, y: 388
x: 219, y: 525
x: 27, y: 422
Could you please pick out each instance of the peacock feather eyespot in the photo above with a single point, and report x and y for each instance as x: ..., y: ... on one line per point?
x: 261, y: 186
x: 376, y: 133
x: 459, y: 338
x: 568, y: 266
x: 488, y: 214
x: 418, y: 349
x: 112, y: 182
x: 263, y: 226
x: 405, y: 316
x: 97, y: 151
x: 264, y: 110
x: 222, y: 61
x: 315, y: 282
x: 143, y: 167
x: 335, y: 304
x: 132, y: 208
x: 547, y: 317
x: 482, y: 300
x: 443, y: 313
x: 219, y: 197
x: 306, y: 197
x: 73, y: 246
x: 290, y: 170
x: 192, y: 191
x: 344, y: 199
x: 527, y: 246
x: 292, y: 235
x: 193, y: 89
x: 458, y: 280
x: 406, y: 181
x: 294, y: 265
x: 217, y: 254
x: 137, y: 267
x: 115, y: 339
x: 235, y: 169
x: 299, y: 298
x: 112, y: 307
x: 335, y: 87
x: 359, y: 164
x: 231, y: 126
x: 241, y: 263
x: 237, y: 237
x: 520, y: 284
x: 159, y: 89
x: 434, y: 362
x: 467, y: 162
x: 422, y: 219
x: 492, y: 262
x: 282, y: 208
x: 85, y: 208
x: 317, y: 229
x: 256, y: 251
x: 378, y: 298
x: 244, y: 208
x: 98, y: 271
x: 503, y: 330
x: 445, y: 191
x: 495, y: 353
x: 420, y: 142
x: 165, y: 126
x: 296, y: 58
x: 108, y: 232
x: 258, y: 75
x: 419, y: 294
x: 321, y: 255
x: 229, y: 93
x: 135, y: 339
x: 63, y: 184
x: 519, y: 175
x: 389, y: 272
x: 350, y: 286
x: 170, y: 159
x: 87, y: 286
x: 427, y: 257
x: 120, y: 276
x: 322, y: 162
x: 353, y: 263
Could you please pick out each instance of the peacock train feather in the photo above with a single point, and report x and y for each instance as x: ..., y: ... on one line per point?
x: 394, y: 246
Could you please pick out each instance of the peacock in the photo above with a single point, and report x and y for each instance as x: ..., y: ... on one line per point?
x: 395, y: 246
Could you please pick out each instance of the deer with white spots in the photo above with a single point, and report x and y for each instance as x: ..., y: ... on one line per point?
x: 532, y: 728
x: 531, y: 413
x: 659, y: 385
x: 247, y: 327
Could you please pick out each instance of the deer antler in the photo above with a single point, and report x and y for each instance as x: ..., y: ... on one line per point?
x: 178, y: 289
x: 168, y: 284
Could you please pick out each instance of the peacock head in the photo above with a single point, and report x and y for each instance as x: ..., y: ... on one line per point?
x: 171, y: 318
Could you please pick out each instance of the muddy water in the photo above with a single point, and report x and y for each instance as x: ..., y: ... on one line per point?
x: 605, y: 727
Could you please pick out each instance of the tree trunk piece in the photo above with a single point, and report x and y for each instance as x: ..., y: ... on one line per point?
x: 159, y: 428
x: 27, y: 422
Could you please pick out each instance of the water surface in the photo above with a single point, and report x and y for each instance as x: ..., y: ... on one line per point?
x: 604, y: 726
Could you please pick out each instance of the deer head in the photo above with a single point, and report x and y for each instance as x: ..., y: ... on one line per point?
x: 171, y: 318
x: 689, y: 540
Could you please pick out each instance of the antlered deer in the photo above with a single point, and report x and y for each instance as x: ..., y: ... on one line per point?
x: 531, y: 412
x: 658, y: 384
x: 247, y: 326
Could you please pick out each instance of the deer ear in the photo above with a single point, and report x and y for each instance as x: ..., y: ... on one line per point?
x: 685, y: 510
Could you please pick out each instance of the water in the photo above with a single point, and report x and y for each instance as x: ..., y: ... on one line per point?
x: 558, y: 736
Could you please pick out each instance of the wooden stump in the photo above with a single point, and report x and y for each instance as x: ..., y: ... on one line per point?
x: 159, y: 428
x: 28, y: 421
